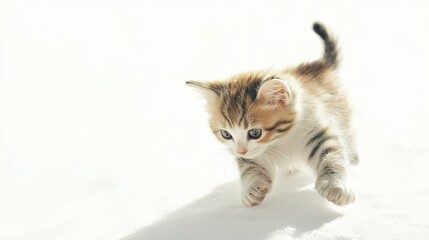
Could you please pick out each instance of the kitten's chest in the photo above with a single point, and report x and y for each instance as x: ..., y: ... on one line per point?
x: 292, y: 147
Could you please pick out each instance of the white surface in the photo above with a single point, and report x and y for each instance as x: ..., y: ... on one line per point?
x: 101, y: 139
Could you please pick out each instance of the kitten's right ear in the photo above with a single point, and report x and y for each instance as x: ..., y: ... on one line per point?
x: 275, y: 93
x: 205, y: 89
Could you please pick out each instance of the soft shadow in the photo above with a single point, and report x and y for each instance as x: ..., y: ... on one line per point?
x: 218, y: 215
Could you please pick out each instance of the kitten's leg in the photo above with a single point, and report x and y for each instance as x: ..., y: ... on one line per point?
x: 329, y: 160
x: 256, y: 179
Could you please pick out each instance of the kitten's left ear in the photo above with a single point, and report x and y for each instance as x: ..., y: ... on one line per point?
x: 205, y: 89
x: 275, y: 93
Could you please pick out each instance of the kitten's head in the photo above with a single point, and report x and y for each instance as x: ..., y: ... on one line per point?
x: 249, y: 112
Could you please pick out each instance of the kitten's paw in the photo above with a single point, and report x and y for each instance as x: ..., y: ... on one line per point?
x: 254, y: 195
x: 335, y: 191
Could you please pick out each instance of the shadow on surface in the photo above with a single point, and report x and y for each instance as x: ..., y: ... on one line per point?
x: 218, y: 215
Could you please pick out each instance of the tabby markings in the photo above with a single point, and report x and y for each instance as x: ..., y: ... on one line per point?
x: 318, y: 140
x: 279, y: 123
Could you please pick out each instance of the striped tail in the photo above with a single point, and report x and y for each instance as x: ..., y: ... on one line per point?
x: 330, y: 56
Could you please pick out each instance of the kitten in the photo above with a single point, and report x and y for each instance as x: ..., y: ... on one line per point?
x: 286, y: 119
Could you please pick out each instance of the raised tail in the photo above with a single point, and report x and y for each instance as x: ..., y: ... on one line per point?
x: 330, y: 56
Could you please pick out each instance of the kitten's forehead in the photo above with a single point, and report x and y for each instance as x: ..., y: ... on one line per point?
x: 238, y: 105
x: 238, y: 97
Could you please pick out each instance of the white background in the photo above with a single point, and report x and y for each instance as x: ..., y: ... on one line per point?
x: 101, y: 139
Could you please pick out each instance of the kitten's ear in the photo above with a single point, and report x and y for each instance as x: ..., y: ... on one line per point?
x: 275, y: 93
x: 204, y: 88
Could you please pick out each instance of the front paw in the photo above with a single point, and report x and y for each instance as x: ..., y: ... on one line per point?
x: 254, y: 195
x: 335, y: 191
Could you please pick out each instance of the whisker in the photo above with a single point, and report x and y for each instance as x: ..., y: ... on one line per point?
x: 277, y: 151
x: 291, y: 143
x: 271, y: 166
x: 266, y: 162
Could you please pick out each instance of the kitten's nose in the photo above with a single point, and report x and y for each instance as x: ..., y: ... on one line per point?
x: 242, y: 152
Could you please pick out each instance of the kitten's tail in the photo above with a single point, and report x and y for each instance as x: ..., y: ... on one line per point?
x: 330, y: 57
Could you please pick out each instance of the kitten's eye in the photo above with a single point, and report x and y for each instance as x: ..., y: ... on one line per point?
x: 255, y: 133
x: 225, y: 134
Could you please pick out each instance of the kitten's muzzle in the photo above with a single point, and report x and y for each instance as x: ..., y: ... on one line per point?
x: 242, y: 152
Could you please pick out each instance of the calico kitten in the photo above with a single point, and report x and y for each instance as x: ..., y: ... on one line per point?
x: 283, y: 120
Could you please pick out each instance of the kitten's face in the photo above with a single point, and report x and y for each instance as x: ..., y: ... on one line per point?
x: 241, y: 141
x: 249, y: 112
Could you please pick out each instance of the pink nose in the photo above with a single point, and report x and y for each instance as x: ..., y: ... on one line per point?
x: 242, y: 152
